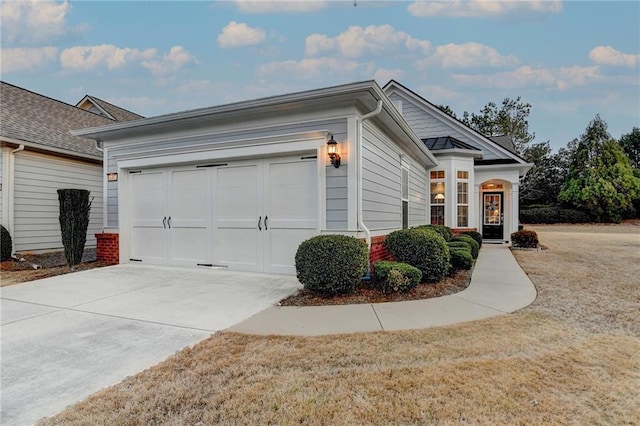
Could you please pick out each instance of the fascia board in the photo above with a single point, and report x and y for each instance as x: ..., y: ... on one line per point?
x: 458, y: 151
x: 51, y: 149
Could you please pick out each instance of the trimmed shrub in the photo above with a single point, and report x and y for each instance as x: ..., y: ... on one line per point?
x: 420, y: 247
x: 475, y: 235
x: 6, y: 244
x: 445, y: 231
x: 524, y: 239
x: 461, y: 259
x: 331, y: 264
x: 75, y: 206
x: 553, y: 215
x: 459, y: 244
x: 475, y: 247
x: 396, y: 276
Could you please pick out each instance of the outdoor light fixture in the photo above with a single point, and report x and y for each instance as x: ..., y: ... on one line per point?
x: 332, y: 150
x: 112, y: 177
x: 439, y: 197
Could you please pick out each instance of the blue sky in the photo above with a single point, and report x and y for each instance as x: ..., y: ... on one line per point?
x: 569, y: 59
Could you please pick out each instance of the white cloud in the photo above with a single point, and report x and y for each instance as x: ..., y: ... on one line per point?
x: 240, y: 34
x: 171, y: 62
x: 314, y: 67
x: 481, y: 8
x: 372, y: 40
x: 438, y: 94
x: 26, y: 58
x: 87, y: 58
x: 383, y: 75
x: 526, y: 76
x: 34, y: 22
x: 141, y: 104
x: 607, y: 55
x: 468, y: 55
x: 280, y: 6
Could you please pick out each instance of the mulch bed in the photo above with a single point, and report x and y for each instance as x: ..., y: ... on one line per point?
x: 363, y: 294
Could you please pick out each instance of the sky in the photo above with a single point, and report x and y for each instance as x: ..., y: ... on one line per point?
x: 570, y: 60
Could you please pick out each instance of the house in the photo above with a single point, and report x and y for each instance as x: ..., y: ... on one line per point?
x: 241, y: 185
x: 38, y: 156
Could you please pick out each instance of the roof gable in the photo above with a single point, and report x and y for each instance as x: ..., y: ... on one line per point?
x: 45, y: 123
x: 442, y: 124
x: 94, y: 104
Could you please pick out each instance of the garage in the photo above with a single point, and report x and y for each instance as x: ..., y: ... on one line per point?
x: 246, y: 215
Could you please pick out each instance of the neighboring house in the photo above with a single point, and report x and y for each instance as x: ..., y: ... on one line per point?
x: 241, y: 185
x: 38, y: 156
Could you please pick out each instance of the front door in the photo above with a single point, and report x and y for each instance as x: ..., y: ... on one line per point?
x: 493, y: 217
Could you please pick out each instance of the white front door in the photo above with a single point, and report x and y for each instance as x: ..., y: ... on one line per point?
x: 263, y: 210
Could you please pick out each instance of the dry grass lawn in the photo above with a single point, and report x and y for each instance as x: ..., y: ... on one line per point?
x: 572, y: 357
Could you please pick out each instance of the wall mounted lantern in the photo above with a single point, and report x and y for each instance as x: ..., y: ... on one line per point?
x: 332, y: 150
x: 112, y: 177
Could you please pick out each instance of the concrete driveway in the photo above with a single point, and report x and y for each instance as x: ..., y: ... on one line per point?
x: 66, y: 337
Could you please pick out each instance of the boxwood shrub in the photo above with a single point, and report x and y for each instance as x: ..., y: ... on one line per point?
x: 459, y: 244
x: 6, y: 244
x: 524, y: 239
x: 473, y: 245
x: 461, y: 259
x: 475, y: 235
x: 553, y: 215
x: 331, y: 264
x: 445, y: 231
x: 423, y: 248
x: 396, y: 276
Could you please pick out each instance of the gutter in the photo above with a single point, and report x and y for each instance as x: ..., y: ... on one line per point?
x: 361, y: 224
x: 11, y: 190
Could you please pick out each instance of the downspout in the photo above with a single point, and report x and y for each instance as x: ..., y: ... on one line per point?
x: 11, y: 206
x: 361, y: 224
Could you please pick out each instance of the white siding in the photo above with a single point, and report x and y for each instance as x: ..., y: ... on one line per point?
x: 417, y: 195
x: 381, y: 206
x: 427, y: 126
x: 37, y: 179
x: 336, y: 185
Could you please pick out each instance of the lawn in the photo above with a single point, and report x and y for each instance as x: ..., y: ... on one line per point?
x: 572, y: 357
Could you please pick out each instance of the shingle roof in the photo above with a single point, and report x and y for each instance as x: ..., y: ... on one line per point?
x: 32, y: 118
x: 119, y: 114
x: 504, y: 141
x: 447, y: 142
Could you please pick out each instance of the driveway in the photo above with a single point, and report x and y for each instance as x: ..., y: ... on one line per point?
x: 66, y: 337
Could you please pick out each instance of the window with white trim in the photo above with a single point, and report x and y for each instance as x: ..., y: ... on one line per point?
x: 437, y: 197
x: 463, y: 198
x: 404, y: 196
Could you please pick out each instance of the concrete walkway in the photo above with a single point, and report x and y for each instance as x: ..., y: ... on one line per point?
x: 498, y: 286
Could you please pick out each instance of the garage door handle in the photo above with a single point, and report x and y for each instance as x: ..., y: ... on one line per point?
x: 164, y: 222
x: 169, y: 222
x: 260, y: 221
x: 266, y: 228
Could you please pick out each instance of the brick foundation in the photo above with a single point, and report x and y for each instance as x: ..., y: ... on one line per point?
x: 458, y: 231
x: 108, y: 248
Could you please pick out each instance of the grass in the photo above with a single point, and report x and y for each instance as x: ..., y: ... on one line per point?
x: 572, y: 357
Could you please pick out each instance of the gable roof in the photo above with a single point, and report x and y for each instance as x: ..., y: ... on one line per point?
x: 504, y: 141
x: 453, y: 122
x: 108, y: 110
x: 447, y: 142
x: 44, y: 123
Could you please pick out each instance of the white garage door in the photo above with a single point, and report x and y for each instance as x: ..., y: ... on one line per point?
x: 245, y: 215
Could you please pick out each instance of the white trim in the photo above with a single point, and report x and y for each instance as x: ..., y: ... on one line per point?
x: 53, y: 150
x: 353, y: 171
x: 7, y: 184
x: 458, y: 152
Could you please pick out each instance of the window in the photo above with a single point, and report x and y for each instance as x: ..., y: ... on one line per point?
x: 405, y: 197
x: 437, y: 197
x: 463, y: 199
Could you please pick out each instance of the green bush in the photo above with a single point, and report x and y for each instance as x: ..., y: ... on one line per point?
x: 396, y: 276
x: 461, y: 259
x: 459, y: 244
x: 420, y: 247
x: 473, y: 245
x: 445, y: 231
x: 553, y: 215
x: 6, y: 244
x: 475, y: 235
x: 525, y: 239
x: 331, y: 264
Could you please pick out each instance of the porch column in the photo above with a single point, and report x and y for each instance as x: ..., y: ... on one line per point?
x: 515, y: 206
x: 478, y: 208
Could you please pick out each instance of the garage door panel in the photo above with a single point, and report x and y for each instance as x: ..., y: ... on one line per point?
x: 148, y: 245
x: 292, y: 190
x: 281, y: 252
x: 238, y: 249
x: 190, y: 246
x: 190, y: 195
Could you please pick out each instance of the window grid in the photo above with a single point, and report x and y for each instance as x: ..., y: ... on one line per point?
x: 462, y: 199
x: 437, y: 195
x: 404, y: 196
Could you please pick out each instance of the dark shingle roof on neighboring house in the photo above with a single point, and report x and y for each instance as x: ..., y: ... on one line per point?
x: 504, y: 141
x: 447, y: 142
x: 118, y: 114
x: 44, y: 123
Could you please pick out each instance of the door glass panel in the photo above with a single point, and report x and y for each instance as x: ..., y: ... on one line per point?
x: 492, y: 213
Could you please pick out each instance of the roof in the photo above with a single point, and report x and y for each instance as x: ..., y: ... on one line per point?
x: 110, y: 110
x: 505, y: 141
x: 447, y: 142
x: 45, y: 123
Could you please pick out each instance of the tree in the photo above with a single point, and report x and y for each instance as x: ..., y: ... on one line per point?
x: 75, y: 207
x: 630, y: 143
x: 600, y: 179
x: 510, y: 119
x: 543, y: 183
x: 446, y: 109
